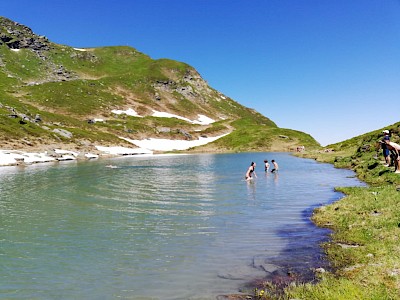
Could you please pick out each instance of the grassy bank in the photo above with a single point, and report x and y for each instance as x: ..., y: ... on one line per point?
x: 364, y: 247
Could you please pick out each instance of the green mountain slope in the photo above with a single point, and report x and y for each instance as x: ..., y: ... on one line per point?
x: 363, y: 154
x: 48, y: 88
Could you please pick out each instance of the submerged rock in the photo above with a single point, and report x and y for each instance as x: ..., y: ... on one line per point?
x: 261, y: 262
x: 241, y: 273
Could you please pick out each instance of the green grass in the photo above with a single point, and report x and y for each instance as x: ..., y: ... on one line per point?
x: 23, y: 65
x: 253, y: 135
x: 11, y: 129
x: 79, y: 97
x: 333, y: 288
x: 104, y: 61
x: 368, y: 219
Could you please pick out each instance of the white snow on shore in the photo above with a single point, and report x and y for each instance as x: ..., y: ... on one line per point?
x: 123, y: 150
x: 62, y: 152
x: 146, y: 146
x: 10, y: 158
x: 171, y: 145
x: 13, y: 158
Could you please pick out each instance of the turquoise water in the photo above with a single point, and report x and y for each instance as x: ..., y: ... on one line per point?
x: 161, y: 227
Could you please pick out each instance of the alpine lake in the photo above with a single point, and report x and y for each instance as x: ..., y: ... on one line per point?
x: 159, y: 227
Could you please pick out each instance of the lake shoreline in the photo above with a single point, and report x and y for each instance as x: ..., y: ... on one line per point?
x: 61, y: 152
x: 300, y: 262
x: 365, y: 231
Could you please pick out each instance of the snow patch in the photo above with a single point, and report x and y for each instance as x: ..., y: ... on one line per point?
x: 123, y: 150
x: 129, y: 112
x: 171, y: 145
x: 202, y: 120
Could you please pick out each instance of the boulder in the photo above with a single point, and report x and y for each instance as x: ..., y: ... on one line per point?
x: 163, y: 129
x: 63, y: 133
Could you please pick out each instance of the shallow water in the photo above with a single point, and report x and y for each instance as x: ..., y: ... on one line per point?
x: 161, y: 227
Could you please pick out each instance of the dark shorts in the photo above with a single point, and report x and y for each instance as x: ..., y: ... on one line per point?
x: 385, y: 152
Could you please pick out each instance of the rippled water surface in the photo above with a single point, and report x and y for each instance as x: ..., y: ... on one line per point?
x: 161, y: 227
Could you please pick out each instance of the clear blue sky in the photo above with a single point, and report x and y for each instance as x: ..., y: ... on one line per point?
x: 328, y: 68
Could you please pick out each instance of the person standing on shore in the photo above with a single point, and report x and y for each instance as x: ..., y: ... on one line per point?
x: 266, y: 165
x: 395, y: 149
x: 276, y: 167
x: 385, y: 150
x: 250, y: 171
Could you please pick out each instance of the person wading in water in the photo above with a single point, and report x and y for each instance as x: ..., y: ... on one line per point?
x: 251, y: 171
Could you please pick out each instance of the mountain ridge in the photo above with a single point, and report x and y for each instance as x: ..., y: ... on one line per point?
x: 47, y: 86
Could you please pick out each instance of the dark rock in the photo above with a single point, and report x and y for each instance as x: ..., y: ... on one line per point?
x: 187, y: 135
x: 364, y: 148
x: 18, y: 36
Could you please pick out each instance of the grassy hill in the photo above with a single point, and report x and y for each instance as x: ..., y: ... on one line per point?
x: 362, y: 154
x: 47, y: 87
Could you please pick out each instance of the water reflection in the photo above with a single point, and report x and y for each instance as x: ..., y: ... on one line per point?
x: 251, y: 189
x: 276, y: 177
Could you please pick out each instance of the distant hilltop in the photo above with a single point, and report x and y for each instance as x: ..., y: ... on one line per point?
x: 57, y: 96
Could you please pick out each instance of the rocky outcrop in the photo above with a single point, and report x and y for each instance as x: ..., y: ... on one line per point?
x: 18, y: 36
x: 191, y: 86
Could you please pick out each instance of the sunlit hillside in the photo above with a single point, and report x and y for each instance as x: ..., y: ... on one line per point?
x: 57, y: 94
